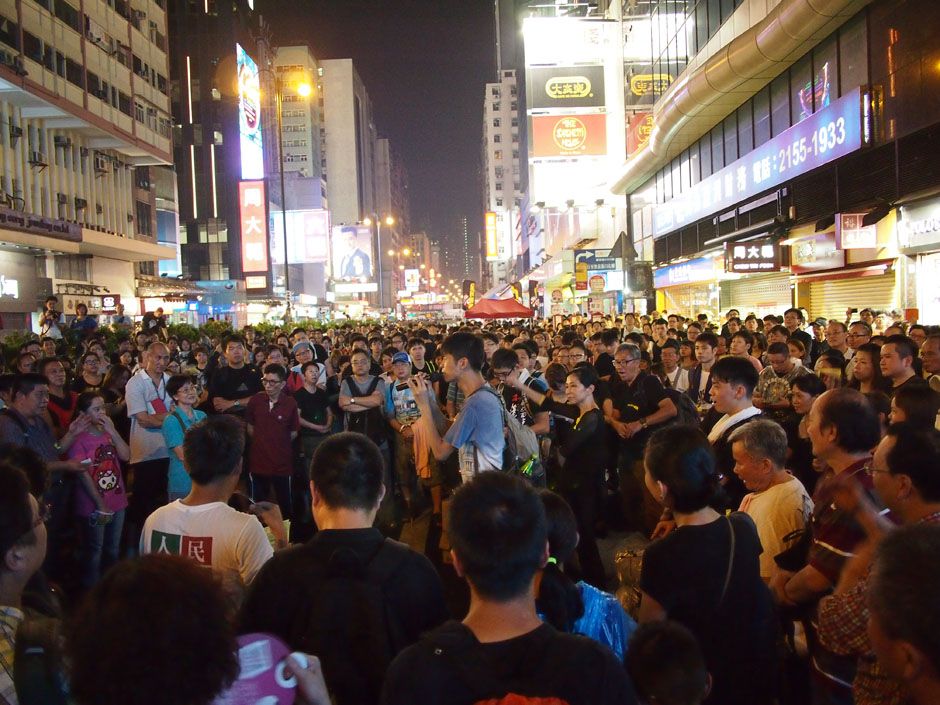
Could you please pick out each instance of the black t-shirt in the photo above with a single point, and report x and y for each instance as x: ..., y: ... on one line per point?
x: 915, y: 381
x: 636, y: 401
x: 312, y: 408
x: 276, y: 602
x: 451, y: 666
x: 604, y: 364
x: 685, y: 573
x: 230, y: 384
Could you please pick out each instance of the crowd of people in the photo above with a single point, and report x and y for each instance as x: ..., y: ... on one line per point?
x: 160, y: 498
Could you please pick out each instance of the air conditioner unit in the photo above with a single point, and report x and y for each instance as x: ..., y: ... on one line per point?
x: 6, y: 58
x: 101, y: 93
x: 19, y: 67
x: 15, y: 131
x: 139, y: 14
x: 99, y: 209
x: 61, y: 199
x: 102, y: 163
x: 37, y: 159
x: 80, y: 203
x: 62, y: 141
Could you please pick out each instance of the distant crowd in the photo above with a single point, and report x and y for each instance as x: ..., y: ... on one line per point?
x: 162, y: 497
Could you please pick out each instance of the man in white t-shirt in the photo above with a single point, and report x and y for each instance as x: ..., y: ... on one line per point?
x: 201, y: 526
x: 777, y: 502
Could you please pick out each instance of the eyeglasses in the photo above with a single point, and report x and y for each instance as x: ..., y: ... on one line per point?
x: 871, y: 470
x: 271, y: 382
x: 624, y: 363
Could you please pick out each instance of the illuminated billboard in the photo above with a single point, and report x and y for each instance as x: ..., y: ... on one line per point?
x: 412, y: 279
x: 308, y: 233
x: 569, y: 40
x: 249, y: 115
x: 489, y: 230
x: 551, y: 87
x: 569, y: 136
x: 254, y: 231
x: 352, y: 252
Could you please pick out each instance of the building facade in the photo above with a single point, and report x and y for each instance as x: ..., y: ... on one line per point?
x: 802, y: 170
x: 84, y: 104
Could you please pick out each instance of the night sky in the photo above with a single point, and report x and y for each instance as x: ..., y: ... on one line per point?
x: 424, y: 64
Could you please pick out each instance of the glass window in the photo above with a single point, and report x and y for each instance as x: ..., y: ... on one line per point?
x: 853, y: 54
x: 705, y: 149
x: 761, y: 104
x: 727, y: 9
x: 701, y: 25
x: 714, y: 17
x: 825, y: 74
x: 731, y: 137
x: 694, y: 164
x: 801, y: 90
x: 745, y: 130
x: 684, y: 177
x: 780, y: 104
x: 718, y: 149
x: 676, y: 177
x: 667, y: 183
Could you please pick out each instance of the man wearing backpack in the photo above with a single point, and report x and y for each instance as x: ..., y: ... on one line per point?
x: 350, y: 596
x: 503, y: 652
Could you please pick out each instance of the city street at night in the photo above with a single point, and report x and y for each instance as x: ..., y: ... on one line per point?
x: 469, y: 352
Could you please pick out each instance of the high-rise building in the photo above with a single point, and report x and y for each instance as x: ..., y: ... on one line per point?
x: 502, y: 176
x: 392, y: 220
x: 350, y: 136
x: 221, y: 68
x: 302, y: 113
x: 84, y: 108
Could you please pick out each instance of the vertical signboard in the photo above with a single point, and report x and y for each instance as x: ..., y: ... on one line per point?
x: 249, y: 115
x: 352, y: 252
x: 489, y: 230
x: 469, y: 293
x: 254, y: 231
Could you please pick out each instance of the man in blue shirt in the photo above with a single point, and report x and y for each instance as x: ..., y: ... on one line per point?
x: 477, y: 432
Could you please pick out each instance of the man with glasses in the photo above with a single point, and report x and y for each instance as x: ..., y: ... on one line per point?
x: 273, y: 424
x: 859, y: 334
x: 637, y: 403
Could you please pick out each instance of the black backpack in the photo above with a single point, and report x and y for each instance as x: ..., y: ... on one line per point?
x: 349, y: 624
x: 369, y: 423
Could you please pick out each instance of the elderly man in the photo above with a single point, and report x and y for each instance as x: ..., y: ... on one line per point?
x: 776, y: 501
x: 148, y: 404
x: 859, y: 334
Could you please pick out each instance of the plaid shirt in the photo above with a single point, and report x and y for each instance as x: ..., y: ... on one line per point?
x: 842, y: 629
x: 836, y: 533
x: 10, y: 618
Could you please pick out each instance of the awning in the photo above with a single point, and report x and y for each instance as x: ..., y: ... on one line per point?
x: 499, y: 308
x: 164, y: 287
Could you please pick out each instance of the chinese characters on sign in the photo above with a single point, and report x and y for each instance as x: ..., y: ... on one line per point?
x: 753, y: 256
x: 852, y: 235
x: 827, y: 135
x: 251, y: 203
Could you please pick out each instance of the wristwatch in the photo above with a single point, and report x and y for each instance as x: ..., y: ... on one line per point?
x: 643, y: 422
x: 352, y: 400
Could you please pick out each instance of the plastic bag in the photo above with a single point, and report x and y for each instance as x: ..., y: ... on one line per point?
x: 604, y: 620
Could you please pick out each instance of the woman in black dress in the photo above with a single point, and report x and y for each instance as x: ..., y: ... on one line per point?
x: 583, y: 451
x: 705, y: 574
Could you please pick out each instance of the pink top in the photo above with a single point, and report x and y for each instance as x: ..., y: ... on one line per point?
x: 105, y: 471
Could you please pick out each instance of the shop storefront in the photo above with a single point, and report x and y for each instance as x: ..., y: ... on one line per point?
x: 919, y: 241
x: 834, y: 271
x: 753, y: 281
x: 691, y: 287
x: 19, y: 295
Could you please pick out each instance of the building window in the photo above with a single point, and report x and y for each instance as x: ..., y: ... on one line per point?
x: 496, y: 122
x: 780, y: 104
x: 495, y: 107
x: 144, y: 226
x: 497, y: 138
x: 499, y: 202
x: 71, y: 267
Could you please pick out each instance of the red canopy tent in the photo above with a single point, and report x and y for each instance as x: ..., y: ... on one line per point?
x: 499, y: 308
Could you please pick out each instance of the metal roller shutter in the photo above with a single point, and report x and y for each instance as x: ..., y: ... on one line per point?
x: 758, y: 294
x: 830, y: 299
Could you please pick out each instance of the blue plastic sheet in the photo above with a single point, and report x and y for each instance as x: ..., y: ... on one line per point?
x: 604, y: 619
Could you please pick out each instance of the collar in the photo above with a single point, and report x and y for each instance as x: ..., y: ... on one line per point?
x: 727, y: 421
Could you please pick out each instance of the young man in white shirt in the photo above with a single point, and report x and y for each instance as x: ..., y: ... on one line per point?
x: 201, y: 526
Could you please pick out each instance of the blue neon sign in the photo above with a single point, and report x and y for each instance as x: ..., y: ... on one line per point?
x: 829, y: 134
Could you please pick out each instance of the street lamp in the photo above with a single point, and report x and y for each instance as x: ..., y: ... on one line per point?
x: 389, y: 221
